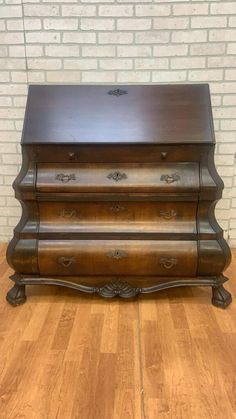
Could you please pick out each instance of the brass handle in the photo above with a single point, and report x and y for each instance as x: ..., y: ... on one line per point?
x: 174, y: 177
x: 72, y: 155
x: 117, y: 176
x: 168, y: 263
x: 168, y: 214
x: 65, y: 177
x: 117, y: 254
x: 65, y: 261
x: 117, y: 208
x: 68, y: 213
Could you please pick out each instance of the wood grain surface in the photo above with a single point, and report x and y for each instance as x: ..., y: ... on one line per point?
x: 144, y: 114
x: 70, y: 356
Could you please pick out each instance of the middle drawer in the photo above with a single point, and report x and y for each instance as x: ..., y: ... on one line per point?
x: 104, y: 177
x: 117, y: 217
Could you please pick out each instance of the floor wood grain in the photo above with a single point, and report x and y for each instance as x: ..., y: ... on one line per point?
x: 70, y: 356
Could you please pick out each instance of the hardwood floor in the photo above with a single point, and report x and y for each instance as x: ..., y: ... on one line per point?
x: 70, y: 356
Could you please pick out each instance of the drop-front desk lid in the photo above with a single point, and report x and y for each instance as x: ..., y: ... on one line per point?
x: 153, y: 114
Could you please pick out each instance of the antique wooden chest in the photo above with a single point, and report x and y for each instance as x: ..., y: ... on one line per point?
x: 118, y: 189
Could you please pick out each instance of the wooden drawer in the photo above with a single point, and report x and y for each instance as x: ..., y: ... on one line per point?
x: 117, y: 257
x: 162, y: 177
x: 126, y: 153
x: 117, y: 217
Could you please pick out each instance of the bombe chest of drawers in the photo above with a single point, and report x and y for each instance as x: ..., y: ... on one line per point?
x: 118, y: 189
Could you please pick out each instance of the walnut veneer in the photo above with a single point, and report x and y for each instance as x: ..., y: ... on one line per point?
x: 118, y: 189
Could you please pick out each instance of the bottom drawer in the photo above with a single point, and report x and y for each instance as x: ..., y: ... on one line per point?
x: 117, y: 257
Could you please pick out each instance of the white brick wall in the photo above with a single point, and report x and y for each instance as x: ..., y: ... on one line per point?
x: 123, y: 41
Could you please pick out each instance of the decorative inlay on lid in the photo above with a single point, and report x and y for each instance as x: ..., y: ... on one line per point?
x: 117, y: 92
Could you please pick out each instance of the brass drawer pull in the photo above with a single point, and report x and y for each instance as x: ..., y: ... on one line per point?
x: 168, y: 263
x: 66, y: 261
x: 117, y: 176
x: 117, y: 207
x: 174, y: 177
x: 65, y: 178
x: 68, y: 213
x: 168, y: 214
x: 117, y: 254
x: 72, y: 155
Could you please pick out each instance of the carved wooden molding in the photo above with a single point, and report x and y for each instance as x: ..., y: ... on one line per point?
x: 117, y: 287
x: 123, y: 289
x: 117, y: 176
x: 174, y: 177
x: 117, y: 92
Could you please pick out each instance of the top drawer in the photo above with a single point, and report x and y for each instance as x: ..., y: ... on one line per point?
x: 126, y: 153
x: 110, y: 177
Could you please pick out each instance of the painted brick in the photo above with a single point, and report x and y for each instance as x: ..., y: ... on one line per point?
x: 232, y: 21
x: 34, y: 50
x: 97, y: 24
x: 10, y: 11
x: 168, y: 76
x: 40, y: 10
x: 62, y: 50
x: 134, y: 24
x: 115, y: 38
x: 222, y: 62
x: 116, y: 10
x: 189, y: 36
x: 98, y: 77
x: 42, y: 37
x: 98, y: 51
x: 171, y: 23
x: 187, y: 62
x: 76, y: 10
x: 124, y: 42
x: 60, y: 24
x: 151, y: 63
x: 134, y: 51
x: 231, y: 48
x: 116, y: 64
x: 12, y: 63
x: 44, y: 64
x: 4, y: 76
x: 152, y: 10
x: 63, y: 77
x: 207, y: 49
x: 152, y: 37
x: 79, y: 37
x: 14, y: 24
x: 133, y: 76
x: 170, y: 50
x: 190, y: 9
x: 208, y: 22
x: 80, y: 64
x: 223, y: 8
x: 222, y: 34
x: 32, y: 24
x: 11, y: 38
x: 36, y: 77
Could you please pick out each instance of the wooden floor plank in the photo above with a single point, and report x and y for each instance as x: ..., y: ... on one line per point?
x: 66, y: 355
